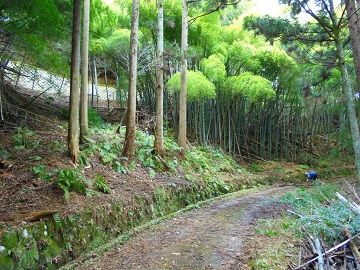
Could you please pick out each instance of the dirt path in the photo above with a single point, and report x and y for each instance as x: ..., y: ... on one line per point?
x: 215, y: 236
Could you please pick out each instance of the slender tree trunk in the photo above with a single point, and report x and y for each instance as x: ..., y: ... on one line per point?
x: 84, y: 127
x: 346, y: 85
x: 353, y: 22
x: 183, y: 84
x: 73, y: 132
x: 131, y: 109
x: 159, y: 133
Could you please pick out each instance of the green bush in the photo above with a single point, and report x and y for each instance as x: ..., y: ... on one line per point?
x: 94, y: 119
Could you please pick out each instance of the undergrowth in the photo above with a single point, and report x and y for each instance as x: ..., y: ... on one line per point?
x: 201, y: 164
x: 315, y: 211
x: 321, y: 213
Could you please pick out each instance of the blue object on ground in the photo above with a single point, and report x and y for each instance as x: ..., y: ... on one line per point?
x: 311, y: 175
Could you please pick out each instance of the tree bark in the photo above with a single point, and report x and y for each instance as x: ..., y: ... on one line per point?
x: 183, y: 83
x: 159, y: 128
x: 131, y: 109
x: 353, y: 22
x: 73, y: 132
x: 84, y: 74
x: 346, y: 86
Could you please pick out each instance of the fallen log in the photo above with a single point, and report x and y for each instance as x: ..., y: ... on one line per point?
x: 321, y: 262
x: 355, y: 207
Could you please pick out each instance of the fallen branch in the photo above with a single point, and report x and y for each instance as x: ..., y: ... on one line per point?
x: 327, y: 252
x: 296, y: 214
x: 353, y: 248
x: 321, y: 262
x: 353, y: 205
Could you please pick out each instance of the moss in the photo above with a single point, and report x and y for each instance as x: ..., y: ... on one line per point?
x: 28, y: 255
x: 52, y: 252
x: 6, y: 261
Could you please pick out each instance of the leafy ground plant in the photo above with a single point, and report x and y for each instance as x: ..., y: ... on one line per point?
x: 71, y: 179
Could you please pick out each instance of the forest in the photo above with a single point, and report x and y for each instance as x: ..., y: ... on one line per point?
x: 267, y: 88
x: 147, y: 82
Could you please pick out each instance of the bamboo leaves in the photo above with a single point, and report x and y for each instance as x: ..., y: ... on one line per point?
x: 214, y: 68
x: 198, y: 86
x: 253, y: 87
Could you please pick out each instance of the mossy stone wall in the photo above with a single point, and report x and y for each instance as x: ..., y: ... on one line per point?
x: 57, y: 241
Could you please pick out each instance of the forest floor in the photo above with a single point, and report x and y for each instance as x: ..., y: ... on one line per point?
x: 211, y: 229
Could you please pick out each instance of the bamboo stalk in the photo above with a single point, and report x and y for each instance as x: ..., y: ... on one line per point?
x: 321, y: 262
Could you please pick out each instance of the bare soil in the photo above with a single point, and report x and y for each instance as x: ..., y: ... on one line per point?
x: 220, y: 235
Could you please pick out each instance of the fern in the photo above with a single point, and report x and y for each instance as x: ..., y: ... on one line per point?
x: 25, y: 138
x: 41, y: 172
x: 119, y: 168
x: 71, y: 179
x: 101, y: 184
x: 57, y: 220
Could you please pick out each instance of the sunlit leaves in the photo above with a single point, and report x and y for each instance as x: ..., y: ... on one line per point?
x: 198, y: 86
x: 253, y: 87
x: 102, y: 19
x: 221, y: 50
x: 274, y: 62
x: 242, y: 58
x: 208, y: 30
x: 214, y: 68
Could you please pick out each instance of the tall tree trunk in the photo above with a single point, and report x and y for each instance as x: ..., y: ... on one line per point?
x: 159, y: 133
x: 183, y: 83
x: 84, y: 127
x: 73, y: 132
x: 131, y: 109
x: 353, y: 22
x: 346, y: 85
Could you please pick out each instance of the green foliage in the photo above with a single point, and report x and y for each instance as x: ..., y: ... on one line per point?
x: 25, y: 138
x: 257, y: 168
x: 198, y: 86
x: 253, y: 87
x: 109, y: 148
x: 71, y: 180
x: 94, y: 119
x: 41, y: 172
x: 214, y: 68
x: 267, y: 227
x: 321, y: 213
x: 38, y: 25
x: 207, y: 159
x: 103, y: 19
x: 101, y: 184
x: 243, y: 57
x: 4, y: 154
x: 146, y: 155
x: 207, y: 31
x: 272, y: 28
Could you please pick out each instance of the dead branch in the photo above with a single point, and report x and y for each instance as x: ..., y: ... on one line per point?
x: 328, y: 251
x: 321, y: 262
x: 353, y: 248
x: 355, y: 207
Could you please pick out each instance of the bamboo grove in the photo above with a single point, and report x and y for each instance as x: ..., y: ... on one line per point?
x: 248, y: 95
